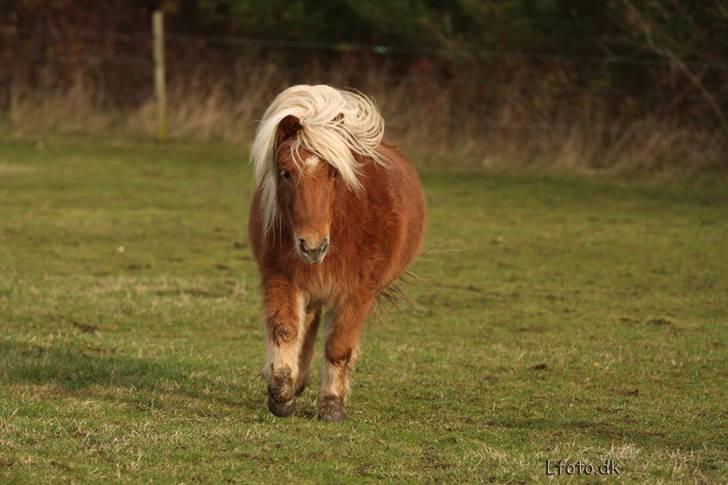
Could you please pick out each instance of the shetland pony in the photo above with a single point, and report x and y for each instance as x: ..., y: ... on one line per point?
x: 337, y: 216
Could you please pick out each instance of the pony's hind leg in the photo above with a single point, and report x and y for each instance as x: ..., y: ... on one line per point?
x: 311, y: 324
x: 342, y: 348
x: 284, y: 318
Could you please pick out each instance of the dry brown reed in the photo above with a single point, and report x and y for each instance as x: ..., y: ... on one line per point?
x: 456, y: 123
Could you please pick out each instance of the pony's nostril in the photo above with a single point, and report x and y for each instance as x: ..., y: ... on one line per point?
x: 311, y: 250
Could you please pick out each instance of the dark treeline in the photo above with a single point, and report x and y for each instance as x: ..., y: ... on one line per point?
x: 657, y: 56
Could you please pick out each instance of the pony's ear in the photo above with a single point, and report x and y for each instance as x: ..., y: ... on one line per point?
x: 287, y: 128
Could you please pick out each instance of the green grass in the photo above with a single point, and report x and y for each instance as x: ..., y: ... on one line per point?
x: 555, y: 318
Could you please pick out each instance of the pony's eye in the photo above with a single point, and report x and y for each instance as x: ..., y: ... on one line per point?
x: 285, y: 174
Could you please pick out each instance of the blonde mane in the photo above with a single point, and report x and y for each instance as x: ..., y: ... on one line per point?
x: 335, y: 125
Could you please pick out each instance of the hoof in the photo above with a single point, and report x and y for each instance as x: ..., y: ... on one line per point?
x: 281, y: 394
x: 331, y: 409
x: 280, y: 386
x: 282, y: 409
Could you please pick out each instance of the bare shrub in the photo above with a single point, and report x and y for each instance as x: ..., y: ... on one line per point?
x: 440, y: 124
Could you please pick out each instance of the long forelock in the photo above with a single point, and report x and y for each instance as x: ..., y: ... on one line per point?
x: 335, y: 125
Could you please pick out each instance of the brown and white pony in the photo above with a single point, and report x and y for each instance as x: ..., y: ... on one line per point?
x: 337, y: 216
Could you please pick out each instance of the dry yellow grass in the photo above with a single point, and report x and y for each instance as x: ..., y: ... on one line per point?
x: 440, y: 125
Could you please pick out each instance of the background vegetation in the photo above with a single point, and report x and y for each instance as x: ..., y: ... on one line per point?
x: 625, y: 85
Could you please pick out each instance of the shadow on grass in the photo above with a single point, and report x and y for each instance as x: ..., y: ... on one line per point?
x: 77, y: 372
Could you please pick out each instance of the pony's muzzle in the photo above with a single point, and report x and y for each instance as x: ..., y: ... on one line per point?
x: 313, y: 252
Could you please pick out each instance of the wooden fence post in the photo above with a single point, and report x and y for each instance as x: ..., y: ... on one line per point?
x: 160, y: 88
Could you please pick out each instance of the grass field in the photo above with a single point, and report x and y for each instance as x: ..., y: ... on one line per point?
x: 554, y: 318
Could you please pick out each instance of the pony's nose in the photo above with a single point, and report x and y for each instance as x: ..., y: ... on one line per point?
x: 315, y: 250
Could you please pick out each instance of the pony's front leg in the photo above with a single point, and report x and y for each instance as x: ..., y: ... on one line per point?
x: 284, y: 317
x: 342, y: 349
x: 311, y: 324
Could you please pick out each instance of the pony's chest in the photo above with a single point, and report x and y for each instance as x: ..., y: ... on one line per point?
x: 318, y: 283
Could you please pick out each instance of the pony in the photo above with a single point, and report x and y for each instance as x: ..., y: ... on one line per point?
x: 337, y: 216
